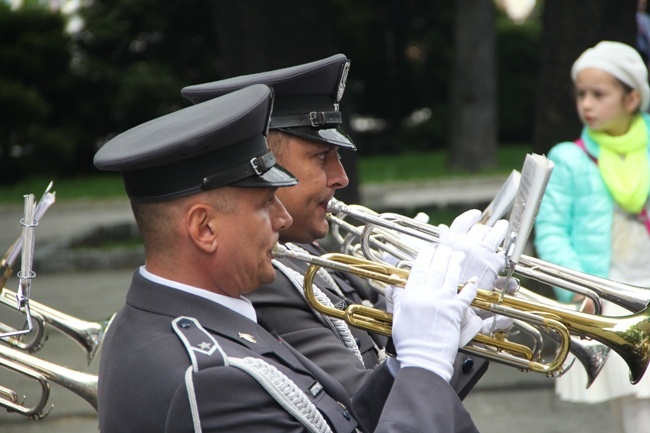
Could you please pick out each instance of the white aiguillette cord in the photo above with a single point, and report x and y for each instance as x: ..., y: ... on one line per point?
x: 338, y: 325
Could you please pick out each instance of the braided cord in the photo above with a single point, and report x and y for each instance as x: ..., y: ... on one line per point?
x: 284, y: 391
x: 322, y: 272
x: 337, y: 325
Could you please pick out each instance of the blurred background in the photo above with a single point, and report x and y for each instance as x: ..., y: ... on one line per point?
x: 466, y: 77
x: 437, y: 89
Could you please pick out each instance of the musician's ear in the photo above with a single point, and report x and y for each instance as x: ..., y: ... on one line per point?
x: 201, y: 227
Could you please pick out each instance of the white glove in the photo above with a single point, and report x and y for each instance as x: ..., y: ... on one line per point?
x: 428, y: 312
x: 471, y: 325
x: 389, y: 291
x: 421, y: 217
x: 479, y: 243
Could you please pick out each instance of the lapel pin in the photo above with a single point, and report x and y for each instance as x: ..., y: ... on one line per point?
x: 247, y: 337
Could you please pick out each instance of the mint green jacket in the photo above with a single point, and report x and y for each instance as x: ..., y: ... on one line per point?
x: 574, y: 223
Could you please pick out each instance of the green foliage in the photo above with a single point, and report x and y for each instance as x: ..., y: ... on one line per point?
x: 138, y: 54
x: 34, y: 87
x: 103, y: 186
x: 62, y: 96
x: 402, y: 55
x: 401, y: 61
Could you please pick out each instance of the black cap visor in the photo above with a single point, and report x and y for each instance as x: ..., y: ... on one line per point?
x: 335, y: 136
x: 276, y: 176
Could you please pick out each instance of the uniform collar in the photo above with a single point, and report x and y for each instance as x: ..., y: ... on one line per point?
x: 239, y: 305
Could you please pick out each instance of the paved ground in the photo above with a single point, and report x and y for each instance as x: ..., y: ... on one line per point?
x: 504, y: 401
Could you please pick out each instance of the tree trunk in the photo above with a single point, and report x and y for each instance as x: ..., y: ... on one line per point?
x: 474, y: 120
x: 569, y: 28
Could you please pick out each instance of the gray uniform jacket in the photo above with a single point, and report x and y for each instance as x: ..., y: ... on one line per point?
x: 282, y: 308
x: 145, y: 365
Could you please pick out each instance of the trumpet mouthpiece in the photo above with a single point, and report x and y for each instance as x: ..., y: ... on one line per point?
x: 279, y: 251
x: 335, y: 206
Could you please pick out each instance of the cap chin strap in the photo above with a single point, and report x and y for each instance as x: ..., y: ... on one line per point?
x: 315, y: 119
x: 257, y: 166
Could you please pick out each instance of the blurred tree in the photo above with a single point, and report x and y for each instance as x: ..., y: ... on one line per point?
x: 474, y: 122
x: 37, y: 134
x: 130, y: 58
x: 401, y: 55
x: 136, y: 56
x: 517, y: 65
x: 569, y: 28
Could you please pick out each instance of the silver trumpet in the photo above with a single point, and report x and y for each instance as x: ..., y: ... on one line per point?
x: 44, y: 372
x: 632, y: 298
x: 590, y: 353
x: 37, y: 336
x: 88, y: 335
x: 379, y: 235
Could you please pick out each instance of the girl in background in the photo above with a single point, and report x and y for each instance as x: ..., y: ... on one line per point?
x: 593, y: 217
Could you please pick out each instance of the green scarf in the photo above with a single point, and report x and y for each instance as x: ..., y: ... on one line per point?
x: 623, y: 164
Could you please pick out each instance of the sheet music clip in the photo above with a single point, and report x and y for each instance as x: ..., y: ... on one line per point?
x: 26, y: 274
x: 510, y: 251
x: 510, y: 263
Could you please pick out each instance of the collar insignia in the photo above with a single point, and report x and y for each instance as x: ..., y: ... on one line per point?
x: 247, y: 337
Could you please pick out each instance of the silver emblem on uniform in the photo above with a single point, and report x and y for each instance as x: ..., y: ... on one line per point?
x: 247, y: 337
x: 344, y: 76
x: 205, y: 346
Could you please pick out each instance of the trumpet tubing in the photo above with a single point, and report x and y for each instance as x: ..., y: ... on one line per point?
x: 82, y: 384
x: 380, y: 322
x: 629, y: 336
x: 88, y: 335
x: 630, y: 297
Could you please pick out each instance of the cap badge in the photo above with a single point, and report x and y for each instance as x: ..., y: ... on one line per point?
x: 343, y: 78
x: 247, y: 337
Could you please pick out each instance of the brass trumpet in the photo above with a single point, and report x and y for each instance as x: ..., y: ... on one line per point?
x: 629, y: 336
x: 82, y: 384
x: 370, y: 241
x: 592, y: 354
x: 495, y: 348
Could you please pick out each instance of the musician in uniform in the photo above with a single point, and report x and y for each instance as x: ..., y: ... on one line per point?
x: 186, y: 353
x: 306, y: 136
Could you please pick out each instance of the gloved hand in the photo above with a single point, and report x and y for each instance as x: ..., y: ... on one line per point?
x: 479, y: 243
x: 428, y: 312
x: 388, y: 295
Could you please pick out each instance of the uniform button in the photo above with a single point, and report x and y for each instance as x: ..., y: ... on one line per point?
x: 358, y: 341
x: 467, y: 365
x: 184, y: 324
x: 345, y: 412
